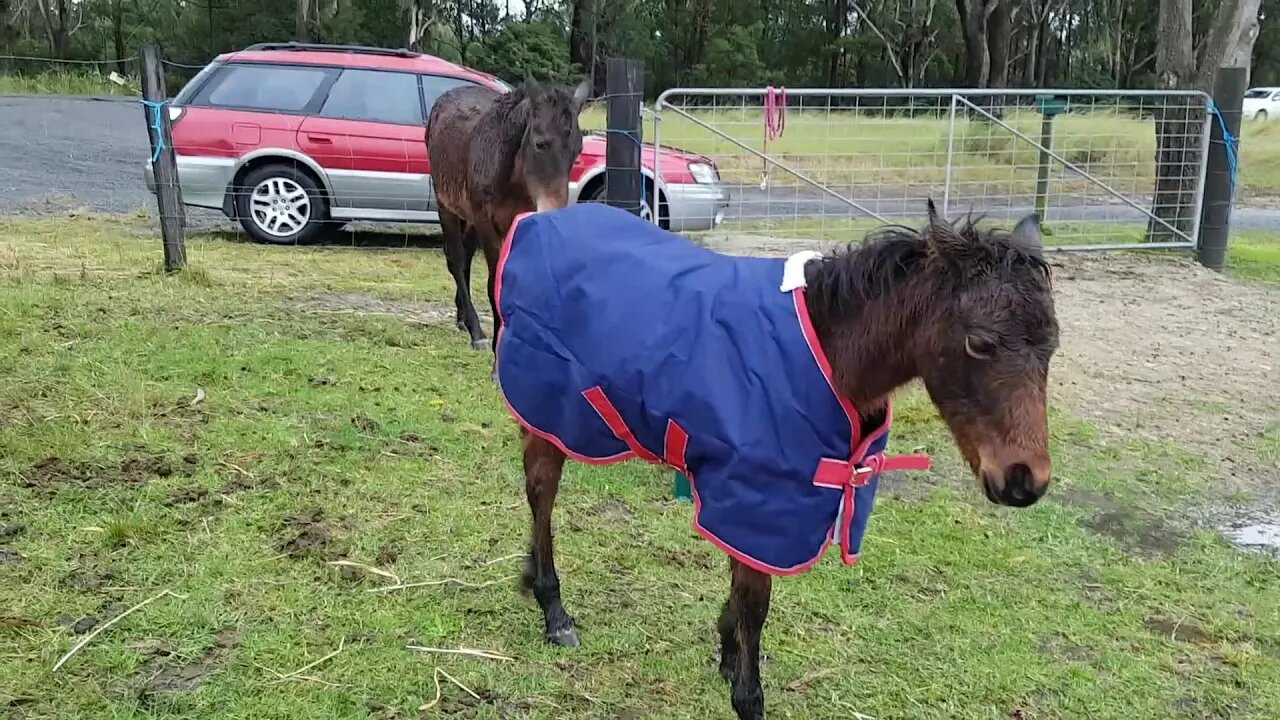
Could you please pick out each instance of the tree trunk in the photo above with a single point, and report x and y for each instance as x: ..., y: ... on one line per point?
x: 837, y: 23
x: 1230, y: 38
x: 581, y: 19
x: 999, y: 36
x: 302, y: 29
x: 117, y: 35
x: 973, y: 26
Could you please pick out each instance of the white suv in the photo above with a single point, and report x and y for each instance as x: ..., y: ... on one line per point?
x: 1262, y: 103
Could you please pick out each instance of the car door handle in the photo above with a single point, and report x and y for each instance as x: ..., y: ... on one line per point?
x: 319, y: 139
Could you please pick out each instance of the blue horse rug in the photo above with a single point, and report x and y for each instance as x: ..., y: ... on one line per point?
x: 621, y: 340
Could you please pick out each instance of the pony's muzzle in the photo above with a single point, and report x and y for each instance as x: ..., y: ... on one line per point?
x: 1016, y: 485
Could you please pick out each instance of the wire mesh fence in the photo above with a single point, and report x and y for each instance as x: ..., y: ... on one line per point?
x: 323, y: 150
x: 830, y: 164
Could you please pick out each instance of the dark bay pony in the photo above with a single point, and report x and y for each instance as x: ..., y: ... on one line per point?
x: 967, y: 310
x: 493, y: 156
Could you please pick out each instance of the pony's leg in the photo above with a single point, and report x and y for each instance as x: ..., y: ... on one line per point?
x: 543, y: 466
x: 459, y: 247
x: 728, y: 642
x: 491, y: 240
x: 748, y: 607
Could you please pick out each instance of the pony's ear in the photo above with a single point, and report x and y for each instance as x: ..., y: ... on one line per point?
x: 1027, y: 233
x: 935, y: 218
x: 581, y: 94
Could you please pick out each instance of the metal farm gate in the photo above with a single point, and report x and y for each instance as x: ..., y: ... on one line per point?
x: 1106, y: 170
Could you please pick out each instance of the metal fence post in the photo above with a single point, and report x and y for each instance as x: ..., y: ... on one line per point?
x: 624, y: 86
x: 1220, y: 178
x: 951, y: 152
x: 164, y: 164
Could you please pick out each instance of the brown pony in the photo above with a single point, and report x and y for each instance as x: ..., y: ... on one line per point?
x: 968, y: 311
x: 493, y: 156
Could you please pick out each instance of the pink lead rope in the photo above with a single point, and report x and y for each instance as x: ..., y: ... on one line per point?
x: 775, y: 123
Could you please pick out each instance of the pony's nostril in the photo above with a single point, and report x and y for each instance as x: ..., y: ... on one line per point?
x: 1019, y: 486
x: 1019, y: 475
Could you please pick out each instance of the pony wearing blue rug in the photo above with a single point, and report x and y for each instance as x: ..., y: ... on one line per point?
x: 766, y: 382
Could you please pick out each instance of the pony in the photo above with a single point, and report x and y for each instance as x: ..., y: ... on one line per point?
x: 791, y: 463
x: 493, y: 156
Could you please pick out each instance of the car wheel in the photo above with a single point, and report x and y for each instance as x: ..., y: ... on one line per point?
x: 1261, y: 116
x: 281, y: 205
x: 646, y: 202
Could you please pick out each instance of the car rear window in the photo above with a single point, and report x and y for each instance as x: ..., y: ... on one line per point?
x: 433, y: 86
x: 375, y: 95
x: 266, y: 87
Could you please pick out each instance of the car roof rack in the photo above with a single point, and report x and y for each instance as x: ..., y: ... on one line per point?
x: 321, y: 47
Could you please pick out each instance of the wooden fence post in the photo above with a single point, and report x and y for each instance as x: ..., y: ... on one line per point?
x: 164, y: 164
x: 624, y: 85
x: 1221, y: 173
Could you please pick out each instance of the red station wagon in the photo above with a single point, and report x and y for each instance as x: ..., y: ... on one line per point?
x: 289, y: 137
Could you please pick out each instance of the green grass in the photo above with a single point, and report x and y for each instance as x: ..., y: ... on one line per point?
x: 334, y: 435
x: 1255, y: 255
x: 65, y: 83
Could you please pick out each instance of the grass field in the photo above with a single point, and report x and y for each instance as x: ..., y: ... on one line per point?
x: 323, y: 435
x: 65, y: 83
x: 860, y: 154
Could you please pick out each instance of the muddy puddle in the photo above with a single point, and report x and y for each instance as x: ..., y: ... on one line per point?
x: 1258, y: 537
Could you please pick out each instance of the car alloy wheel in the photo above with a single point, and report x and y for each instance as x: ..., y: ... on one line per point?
x: 280, y: 207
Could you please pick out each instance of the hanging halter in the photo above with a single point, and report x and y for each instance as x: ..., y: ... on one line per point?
x: 775, y: 123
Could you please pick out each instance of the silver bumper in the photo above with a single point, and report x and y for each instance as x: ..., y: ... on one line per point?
x: 204, y: 181
x: 693, y: 207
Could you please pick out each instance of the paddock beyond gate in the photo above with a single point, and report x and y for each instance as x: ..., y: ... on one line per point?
x: 822, y: 163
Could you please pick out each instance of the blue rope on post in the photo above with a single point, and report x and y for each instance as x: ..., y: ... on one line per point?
x: 1229, y: 142
x: 157, y: 124
x: 643, y: 195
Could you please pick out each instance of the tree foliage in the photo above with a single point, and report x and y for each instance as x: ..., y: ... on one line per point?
x: 839, y: 43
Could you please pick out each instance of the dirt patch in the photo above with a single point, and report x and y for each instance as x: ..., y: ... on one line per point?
x: 88, y: 576
x: 1165, y: 349
x: 167, y: 675
x: 690, y: 557
x: 11, y: 531
x: 1065, y: 649
x: 309, y: 534
x: 9, y: 556
x: 1178, y: 629
x: 612, y: 509
x: 1133, y: 528
x: 422, y: 313
x: 387, y: 555
x: 54, y: 472
x: 84, y: 624
x: 365, y: 424
x: 186, y: 496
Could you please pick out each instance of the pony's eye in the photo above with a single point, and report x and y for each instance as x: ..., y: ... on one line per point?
x: 979, y: 348
x: 540, y: 145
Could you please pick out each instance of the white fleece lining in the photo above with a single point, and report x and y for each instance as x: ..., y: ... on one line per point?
x: 793, y: 270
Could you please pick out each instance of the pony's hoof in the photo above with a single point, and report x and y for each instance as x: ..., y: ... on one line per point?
x: 564, y: 637
x: 481, y: 344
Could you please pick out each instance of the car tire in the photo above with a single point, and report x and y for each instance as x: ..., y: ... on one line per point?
x: 1260, y: 116
x: 281, y: 205
x: 646, y: 202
